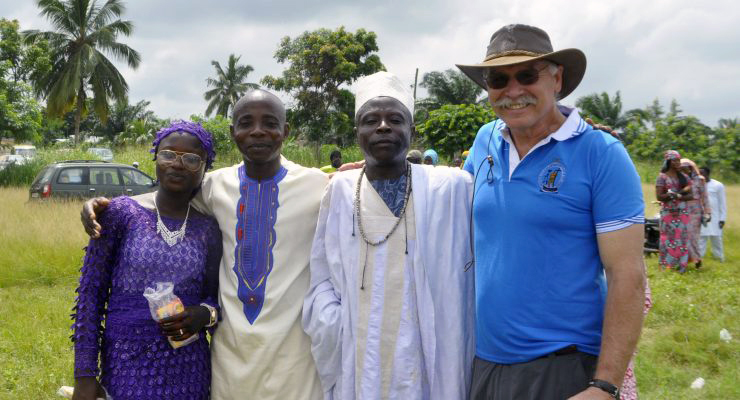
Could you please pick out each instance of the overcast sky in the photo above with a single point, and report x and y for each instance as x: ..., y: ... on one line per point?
x: 666, y: 49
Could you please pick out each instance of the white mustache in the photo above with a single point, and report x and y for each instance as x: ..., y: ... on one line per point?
x: 507, y: 102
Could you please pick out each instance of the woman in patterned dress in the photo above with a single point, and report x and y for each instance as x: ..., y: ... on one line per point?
x: 698, y: 207
x: 672, y: 189
x: 147, y: 239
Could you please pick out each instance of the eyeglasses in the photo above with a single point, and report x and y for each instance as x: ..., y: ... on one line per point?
x: 526, y: 77
x: 190, y: 161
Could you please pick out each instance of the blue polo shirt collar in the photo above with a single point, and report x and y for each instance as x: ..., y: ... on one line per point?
x: 572, y: 127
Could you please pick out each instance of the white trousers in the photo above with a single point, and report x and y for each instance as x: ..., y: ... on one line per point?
x: 717, y: 250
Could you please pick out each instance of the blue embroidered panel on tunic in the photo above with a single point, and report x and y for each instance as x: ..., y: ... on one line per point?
x: 256, y: 213
x: 392, y: 191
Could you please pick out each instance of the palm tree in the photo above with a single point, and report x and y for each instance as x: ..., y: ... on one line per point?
x: 603, y: 109
x: 728, y: 123
x: 228, y: 86
x: 450, y: 87
x: 82, y: 29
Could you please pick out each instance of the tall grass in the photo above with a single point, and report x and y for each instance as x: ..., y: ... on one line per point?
x: 41, y: 241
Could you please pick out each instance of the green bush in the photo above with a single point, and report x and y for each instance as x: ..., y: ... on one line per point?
x: 451, y: 129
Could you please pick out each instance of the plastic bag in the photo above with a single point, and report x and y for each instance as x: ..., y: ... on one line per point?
x: 698, y: 383
x: 162, y: 304
x: 725, y: 335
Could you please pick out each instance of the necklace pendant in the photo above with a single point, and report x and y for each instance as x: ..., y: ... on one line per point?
x: 170, y: 237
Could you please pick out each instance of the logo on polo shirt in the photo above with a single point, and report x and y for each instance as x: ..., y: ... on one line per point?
x: 551, y: 177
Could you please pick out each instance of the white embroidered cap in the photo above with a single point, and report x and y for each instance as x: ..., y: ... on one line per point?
x: 382, y: 84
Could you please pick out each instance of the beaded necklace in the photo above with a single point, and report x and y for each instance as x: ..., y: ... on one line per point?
x: 400, y: 216
x: 358, y: 213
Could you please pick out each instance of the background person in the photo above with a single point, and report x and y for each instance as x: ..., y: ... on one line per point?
x: 150, y: 238
x: 335, y: 159
x: 430, y: 158
x: 698, y: 206
x: 414, y: 157
x: 675, y: 220
x: 712, y: 231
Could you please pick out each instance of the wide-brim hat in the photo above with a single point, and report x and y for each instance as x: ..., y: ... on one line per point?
x: 516, y: 44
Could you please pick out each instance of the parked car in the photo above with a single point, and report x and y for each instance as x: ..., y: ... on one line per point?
x: 25, y: 150
x: 9, y: 159
x: 103, y: 153
x: 89, y: 178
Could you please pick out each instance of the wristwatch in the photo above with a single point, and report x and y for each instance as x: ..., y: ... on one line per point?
x: 605, y: 386
x: 213, y: 314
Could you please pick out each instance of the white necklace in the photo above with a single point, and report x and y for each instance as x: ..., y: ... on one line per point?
x: 170, y: 237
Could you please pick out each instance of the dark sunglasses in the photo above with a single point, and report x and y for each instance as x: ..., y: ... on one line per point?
x: 526, y: 77
x: 190, y: 161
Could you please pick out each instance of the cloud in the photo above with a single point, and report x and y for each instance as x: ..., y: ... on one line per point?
x: 665, y: 49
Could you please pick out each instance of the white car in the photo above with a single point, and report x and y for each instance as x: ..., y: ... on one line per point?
x: 103, y: 153
x: 25, y: 150
x: 12, y: 159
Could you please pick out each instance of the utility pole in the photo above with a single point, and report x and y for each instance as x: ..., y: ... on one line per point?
x: 416, y: 77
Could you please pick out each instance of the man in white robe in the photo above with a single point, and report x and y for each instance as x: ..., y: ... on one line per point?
x: 712, y: 231
x: 390, y: 310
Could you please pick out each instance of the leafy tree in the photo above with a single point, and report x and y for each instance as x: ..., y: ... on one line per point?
x: 20, y: 113
x: 219, y: 127
x: 25, y: 62
x: 674, y: 131
x: 451, y: 129
x: 83, y: 30
x: 51, y: 128
x: 320, y: 63
x: 228, y: 86
x: 723, y: 153
x: 20, y: 64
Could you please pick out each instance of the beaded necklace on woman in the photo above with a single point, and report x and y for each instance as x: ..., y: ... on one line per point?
x: 358, y: 214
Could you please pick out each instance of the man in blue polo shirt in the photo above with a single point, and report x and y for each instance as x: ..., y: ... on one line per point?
x: 558, y: 213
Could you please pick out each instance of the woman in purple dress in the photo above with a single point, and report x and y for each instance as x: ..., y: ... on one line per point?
x: 146, y: 239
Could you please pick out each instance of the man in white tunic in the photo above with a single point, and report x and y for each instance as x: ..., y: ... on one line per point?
x: 390, y: 306
x: 712, y: 231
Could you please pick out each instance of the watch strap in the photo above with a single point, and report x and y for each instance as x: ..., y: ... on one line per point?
x: 212, y: 313
x: 605, y: 386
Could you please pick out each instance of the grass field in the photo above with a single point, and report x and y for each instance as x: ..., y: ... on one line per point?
x: 42, y: 250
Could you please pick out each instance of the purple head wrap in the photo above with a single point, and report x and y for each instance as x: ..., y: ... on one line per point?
x: 193, y: 128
